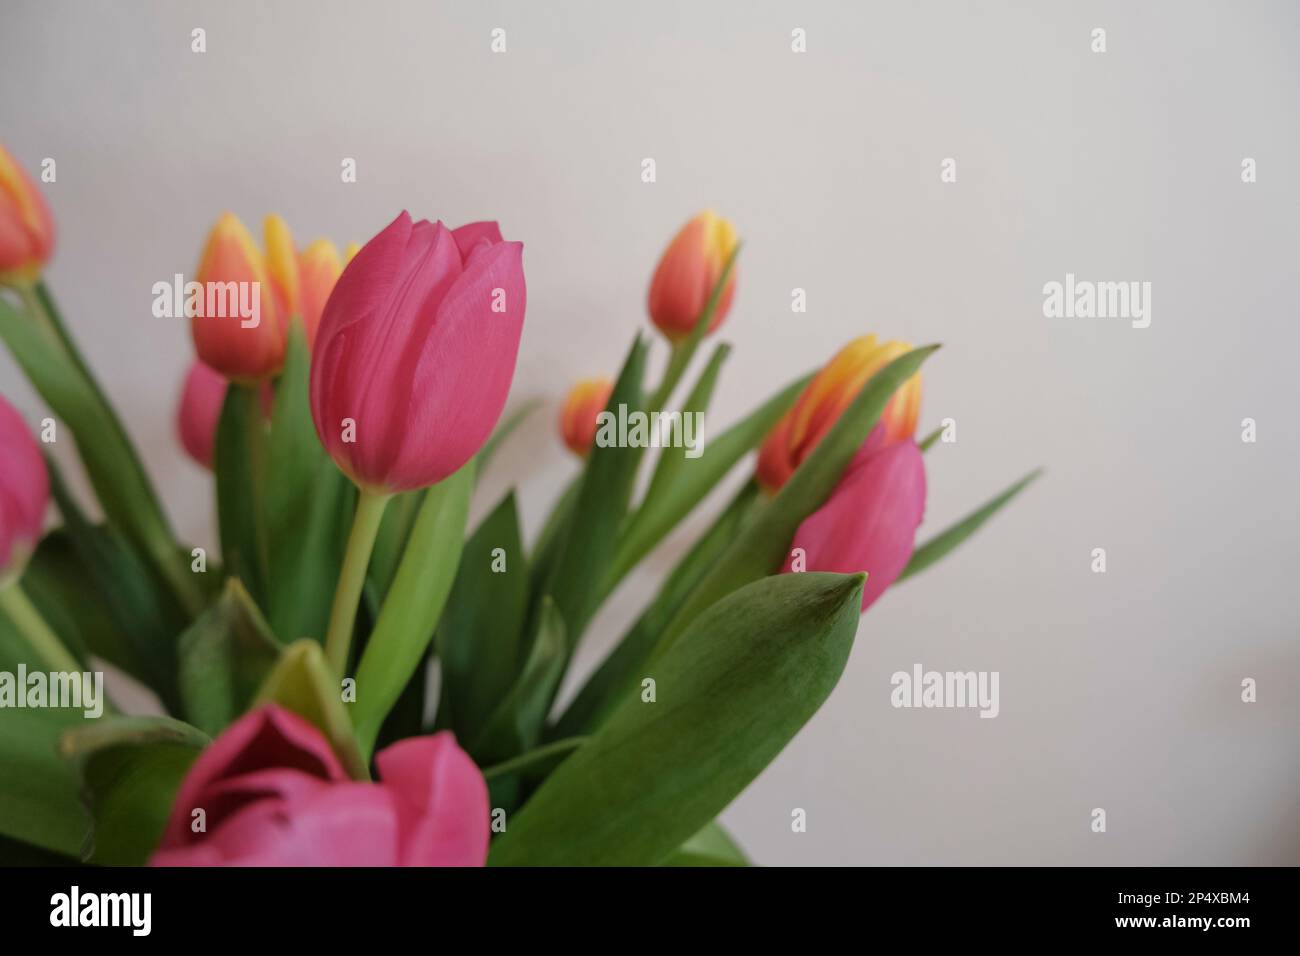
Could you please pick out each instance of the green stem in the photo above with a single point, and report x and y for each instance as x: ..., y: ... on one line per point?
x: 257, y: 456
x: 352, y: 577
x: 533, y: 757
x: 158, y: 541
x: 39, y: 635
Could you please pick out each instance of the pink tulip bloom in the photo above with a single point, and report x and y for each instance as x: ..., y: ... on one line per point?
x: 869, y: 522
x: 199, y: 411
x: 416, y: 351
x: 274, y: 794
x: 24, y: 492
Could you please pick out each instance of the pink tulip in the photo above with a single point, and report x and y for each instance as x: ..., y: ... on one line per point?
x: 869, y: 522
x: 24, y: 492
x: 274, y: 794
x: 199, y: 410
x: 416, y: 350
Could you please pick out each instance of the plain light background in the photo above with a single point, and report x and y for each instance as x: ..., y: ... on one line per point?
x: 1119, y: 691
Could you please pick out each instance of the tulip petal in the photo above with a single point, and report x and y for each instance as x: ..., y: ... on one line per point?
x: 463, y: 369
x: 441, y: 799
x: 24, y: 486
x: 269, y: 738
x: 869, y: 522
x: 472, y: 235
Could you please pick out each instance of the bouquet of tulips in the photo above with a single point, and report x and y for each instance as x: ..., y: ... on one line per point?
x: 357, y: 677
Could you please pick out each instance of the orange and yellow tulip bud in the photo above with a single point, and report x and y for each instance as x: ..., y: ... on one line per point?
x: 691, y: 266
x: 319, y: 269
x: 282, y: 264
x: 239, y: 331
x: 585, y: 401
x: 827, y: 396
x: 26, y: 226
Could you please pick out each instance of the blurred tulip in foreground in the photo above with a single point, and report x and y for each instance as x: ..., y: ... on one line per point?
x: 829, y: 393
x: 275, y: 794
x: 24, y: 492
x: 416, y: 351
x: 26, y: 226
x: 585, y: 401
x: 689, y: 269
x: 869, y: 521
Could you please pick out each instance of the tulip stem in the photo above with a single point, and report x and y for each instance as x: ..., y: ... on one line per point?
x: 352, y: 578
x: 39, y: 634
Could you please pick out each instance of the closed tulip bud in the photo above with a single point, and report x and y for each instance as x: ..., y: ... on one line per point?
x: 282, y: 265
x: 24, y: 493
x: 869, y: 521
x: 691, y: 266
x: 243, y: 348
x: 829, y: 393
x: 26, y: 226
x: 416, y: 351
x: 585, y: 401
x: 199, y: 411
x: 320, y: 269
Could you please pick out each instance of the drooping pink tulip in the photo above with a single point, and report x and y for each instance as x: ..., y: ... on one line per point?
x: 24, y: 492
x: 416, y: 351
x: 869, y: 521
x: 199, y: 411
x: 274, y: 794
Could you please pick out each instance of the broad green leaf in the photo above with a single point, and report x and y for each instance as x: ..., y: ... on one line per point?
x: 301, y: 682
x: 537, y: 762
x: 712, y: 846
x: 729, y: 695
x: 144, y: 616
x: 19, y: 853
x: 760, y: 547
x: 239, y: 507
x: 390, y: 543
x: 939, y: 546
x: 480, y: 639
x: 225, y: 656
x: 130, y: 768
x: 515, y: 725
x: 547, y: 547
x: 601, y: 505
x: 693, y: 479
x: 414, y: 603
x: 40, y: 802
x: 41, y: 348
x: 629, y: 655
x: 307, y: 505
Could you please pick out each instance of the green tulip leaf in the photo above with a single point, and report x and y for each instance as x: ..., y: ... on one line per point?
x: 516, y: 724
x: 942, y: 543
x: 761, y: 546
x: 239, y: 505
x: 480, y: 639
x: 712, y: 846
x: 301, y: 682
x: 43, y: 351
x: 414, y: 603
x: 225, y: 656
x: 728, y: 696
x: 131, y: 769
x: 672, y: 497
x: 307, y: 504
x: 630, y: 653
